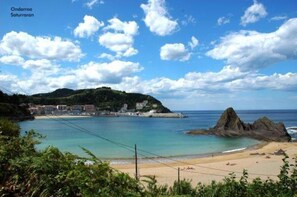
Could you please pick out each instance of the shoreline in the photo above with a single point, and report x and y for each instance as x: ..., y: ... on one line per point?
x: 259, y: 160
x: 61, y: 116
x: 144, y: 115
x: 170, y: 159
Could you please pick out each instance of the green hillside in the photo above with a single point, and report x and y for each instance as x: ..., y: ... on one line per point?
x: 103, y: 98
x: 10, y: 107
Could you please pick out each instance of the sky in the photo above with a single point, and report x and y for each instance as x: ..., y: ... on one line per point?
x: 191, y: 55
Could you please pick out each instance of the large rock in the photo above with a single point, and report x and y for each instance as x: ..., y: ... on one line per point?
x: 229, y: 122
x: 268, y: 129
x: 230, y: 125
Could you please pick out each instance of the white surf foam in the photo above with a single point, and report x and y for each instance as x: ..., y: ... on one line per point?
x: 234, y: 150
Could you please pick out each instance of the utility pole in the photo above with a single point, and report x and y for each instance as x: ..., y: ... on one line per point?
x: 136, y: 164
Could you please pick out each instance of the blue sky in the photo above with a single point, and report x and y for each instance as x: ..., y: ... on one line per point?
x: 194, y: 54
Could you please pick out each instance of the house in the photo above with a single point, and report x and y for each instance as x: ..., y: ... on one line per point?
x: 89, y: 108
x: 62, y: 107
x: 49, y: 109
x: 76, y: 109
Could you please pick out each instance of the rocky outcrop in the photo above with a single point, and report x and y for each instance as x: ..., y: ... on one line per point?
x: 230, y: 125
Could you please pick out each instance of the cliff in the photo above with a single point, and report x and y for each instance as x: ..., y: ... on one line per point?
x: 230, y: 125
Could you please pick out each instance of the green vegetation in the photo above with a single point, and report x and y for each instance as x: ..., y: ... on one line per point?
x: 103, y: 98
x: 10, y: 107
x: 24, y: 171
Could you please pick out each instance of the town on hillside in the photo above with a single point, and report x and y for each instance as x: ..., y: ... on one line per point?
x: 92, y: 110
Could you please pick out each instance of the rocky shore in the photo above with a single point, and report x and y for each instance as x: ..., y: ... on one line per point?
x: 230, y: 125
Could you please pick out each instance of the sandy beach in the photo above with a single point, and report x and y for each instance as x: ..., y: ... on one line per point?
x: 60, y: 116
x: 260, y: 162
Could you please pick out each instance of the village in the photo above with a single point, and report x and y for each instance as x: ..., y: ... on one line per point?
x: 92, y: 110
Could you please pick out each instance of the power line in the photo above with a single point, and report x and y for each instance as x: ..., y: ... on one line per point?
x: 131, y: 149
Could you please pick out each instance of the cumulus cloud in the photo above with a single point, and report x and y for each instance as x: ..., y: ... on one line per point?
x: 251, y: 50
x: 158, y: 19
x: 253, y: 13
x: 228, y: 79
x: 121, y: 39
x: 129, y: 28
x: 25, y: 45
x: 176, y: 51
x: 223, y: 20
x: 194, y: 42
x: 276, y: 81
x: 106, y: 56
x: 88, y: 28
x: 121, y: 75
x: 41, y: 65
x: 111, y: 73
x: 90, y: 75
x: 12, y: 60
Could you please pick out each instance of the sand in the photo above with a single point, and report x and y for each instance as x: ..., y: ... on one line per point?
x: 217, y: 167
x: 60, y: 116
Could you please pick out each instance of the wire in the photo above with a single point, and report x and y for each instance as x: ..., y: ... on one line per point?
x: 197, y: 165
x: 131, y: 149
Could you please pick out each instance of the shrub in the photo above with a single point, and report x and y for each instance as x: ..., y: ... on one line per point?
x: 27, y: 172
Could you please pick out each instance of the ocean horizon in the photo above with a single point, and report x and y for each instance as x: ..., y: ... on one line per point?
x: 113, y: 138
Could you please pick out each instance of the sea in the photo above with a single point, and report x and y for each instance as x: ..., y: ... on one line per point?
x: 114, y: 138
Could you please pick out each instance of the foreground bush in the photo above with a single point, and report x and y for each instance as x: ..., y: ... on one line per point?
x: 27, y: 172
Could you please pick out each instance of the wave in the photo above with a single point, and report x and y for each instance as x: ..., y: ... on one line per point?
x: 292, y: 129
x: 234, y: 150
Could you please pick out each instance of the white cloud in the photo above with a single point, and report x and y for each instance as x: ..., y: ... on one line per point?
x: 121, y: 40
x: 41, y: 65
x: 227, y: 80
x: 9, y: 83
x: 284, y: 82
x: 251, y: 50
x: 129, y: 28
x: 25, y: 45
x: 212, y: 87
x: 223, y: 20
x: 111, y: 73
x: 92, y: 3
x: 253, y: 13
x: 176, y: 51
x: 119, y: 43
x: 106, y: 56
x: 88, y: 28
x: 158, y: 19
x: 12, y: 60
x: 279, y: 18
x: 90, y: 75
x: 194, y: 42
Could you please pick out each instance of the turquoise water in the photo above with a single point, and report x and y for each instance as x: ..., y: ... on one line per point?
x: 164, y: 137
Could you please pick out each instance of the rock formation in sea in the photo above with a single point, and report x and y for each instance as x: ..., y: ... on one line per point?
x: 230, y: 125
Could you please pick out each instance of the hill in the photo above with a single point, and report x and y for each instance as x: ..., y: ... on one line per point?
x: 103, y: 98
x: 11, y: 108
